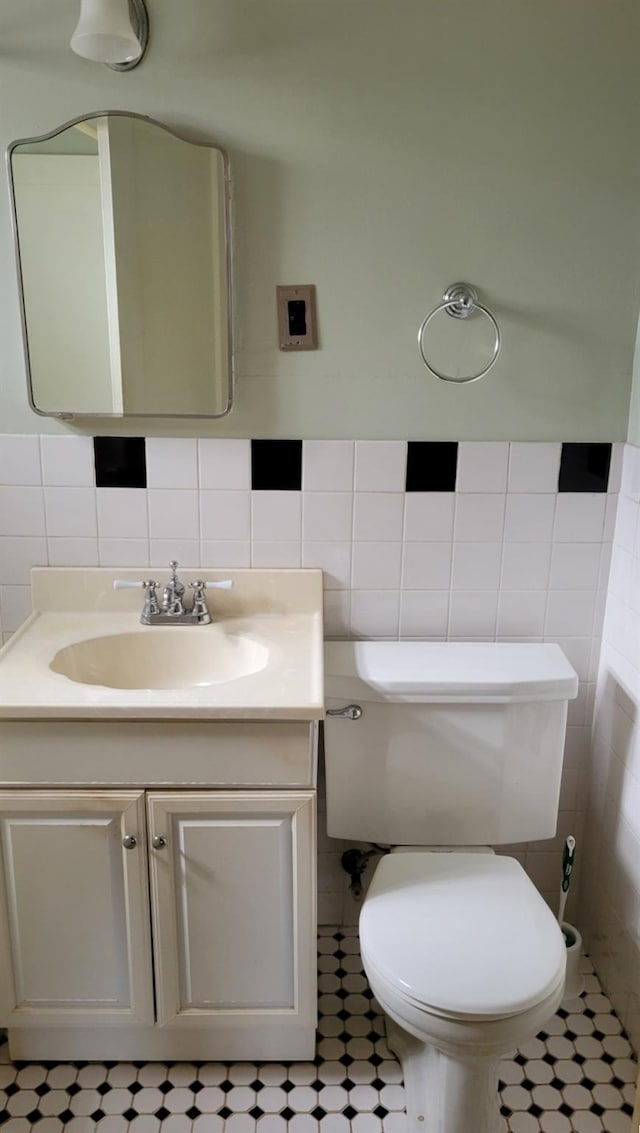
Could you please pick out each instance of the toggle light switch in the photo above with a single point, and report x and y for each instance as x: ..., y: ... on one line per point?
x: 297, y: 317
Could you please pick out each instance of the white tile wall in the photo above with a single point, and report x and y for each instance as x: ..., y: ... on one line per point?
x: 505, y: 556
x: 610, y: 897
x: 67, y: 461
x: 482, y: 466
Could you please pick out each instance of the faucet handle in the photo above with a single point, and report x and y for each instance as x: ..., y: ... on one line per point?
x: 151, y: 604
x: 127, y: 584
x: 225, y: 584
x: 149, y: 586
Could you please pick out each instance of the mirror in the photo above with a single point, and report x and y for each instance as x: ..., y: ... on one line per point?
x: 123, y: 246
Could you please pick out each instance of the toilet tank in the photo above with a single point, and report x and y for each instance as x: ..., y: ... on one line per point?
x: 458, y: 744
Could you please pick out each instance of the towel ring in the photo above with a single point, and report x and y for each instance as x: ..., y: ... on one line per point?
x: 460, y: 300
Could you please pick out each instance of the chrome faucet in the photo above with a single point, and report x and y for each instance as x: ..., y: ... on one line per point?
x: 172, y: 610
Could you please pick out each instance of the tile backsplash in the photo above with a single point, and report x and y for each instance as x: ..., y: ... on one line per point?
x: 419, y: 539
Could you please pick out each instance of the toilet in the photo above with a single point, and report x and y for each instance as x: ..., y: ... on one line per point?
x: 441, y: 751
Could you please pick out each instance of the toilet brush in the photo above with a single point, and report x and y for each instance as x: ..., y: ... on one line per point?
x: 568, y: 854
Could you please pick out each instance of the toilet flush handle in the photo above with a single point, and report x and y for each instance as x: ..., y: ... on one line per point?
x: 351, y: 712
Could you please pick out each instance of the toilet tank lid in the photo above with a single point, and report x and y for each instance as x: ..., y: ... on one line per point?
x: 444, y: 671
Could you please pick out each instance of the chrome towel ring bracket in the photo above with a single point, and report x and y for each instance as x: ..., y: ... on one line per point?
x: 460, y: 300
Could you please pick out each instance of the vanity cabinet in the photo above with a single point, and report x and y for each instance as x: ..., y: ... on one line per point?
x: 158, y: 923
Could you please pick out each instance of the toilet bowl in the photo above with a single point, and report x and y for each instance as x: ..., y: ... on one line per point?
x: 456, y: 745
x: 467, y: 962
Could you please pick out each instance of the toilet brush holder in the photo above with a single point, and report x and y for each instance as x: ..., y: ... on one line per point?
x: 574, y: 984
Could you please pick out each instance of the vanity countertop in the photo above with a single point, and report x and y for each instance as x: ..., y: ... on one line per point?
x: 279, y: 612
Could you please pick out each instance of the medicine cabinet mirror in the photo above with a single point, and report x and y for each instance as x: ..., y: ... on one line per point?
x: 123, y: 245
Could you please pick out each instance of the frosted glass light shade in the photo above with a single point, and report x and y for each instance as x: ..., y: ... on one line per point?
x: 104, y: 32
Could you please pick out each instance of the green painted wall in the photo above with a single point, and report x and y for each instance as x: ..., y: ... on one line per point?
x: 382, y: 149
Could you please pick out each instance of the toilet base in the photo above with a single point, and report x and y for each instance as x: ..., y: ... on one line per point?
x: 446, y: 1094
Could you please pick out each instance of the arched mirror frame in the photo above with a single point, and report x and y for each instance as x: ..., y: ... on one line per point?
x: 74, y: 415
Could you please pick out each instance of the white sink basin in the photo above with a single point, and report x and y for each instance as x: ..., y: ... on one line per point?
x: 157, y: 658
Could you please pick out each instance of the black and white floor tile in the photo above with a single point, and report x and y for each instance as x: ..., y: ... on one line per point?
x: 577, y: 1076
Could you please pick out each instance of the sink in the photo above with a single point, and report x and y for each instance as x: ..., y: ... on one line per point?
x: 162, y: 658
x: 83, y: 655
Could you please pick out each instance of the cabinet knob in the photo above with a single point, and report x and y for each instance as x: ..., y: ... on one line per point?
x: 158, y: 842
x: 129, y: 841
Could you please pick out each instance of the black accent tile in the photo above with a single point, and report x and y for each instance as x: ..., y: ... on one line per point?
x: 276, y: 466
x: 120, y: 462
x: 130, y: 1114
x: 431, y: 466
x: 97, y: 1115
x: 34, y: 1116
x: 135, y: 1088
x: 65, y: 1117
x: 193, y: 1112
x: 584, y: 468
x: 73, y: 1089
x: 162, y: 1113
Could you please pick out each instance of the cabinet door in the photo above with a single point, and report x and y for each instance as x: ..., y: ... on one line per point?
x: 75, y: 945
x: 233, y: 907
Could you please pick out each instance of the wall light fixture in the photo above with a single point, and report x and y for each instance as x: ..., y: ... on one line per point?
x: 114, y: 32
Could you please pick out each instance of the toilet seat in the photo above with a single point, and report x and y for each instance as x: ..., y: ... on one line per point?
x: 461, y: 935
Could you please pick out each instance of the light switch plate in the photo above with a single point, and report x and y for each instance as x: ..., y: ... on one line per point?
x: 297, y: 317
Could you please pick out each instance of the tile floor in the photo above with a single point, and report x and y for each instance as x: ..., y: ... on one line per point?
x: 577, y: 1076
